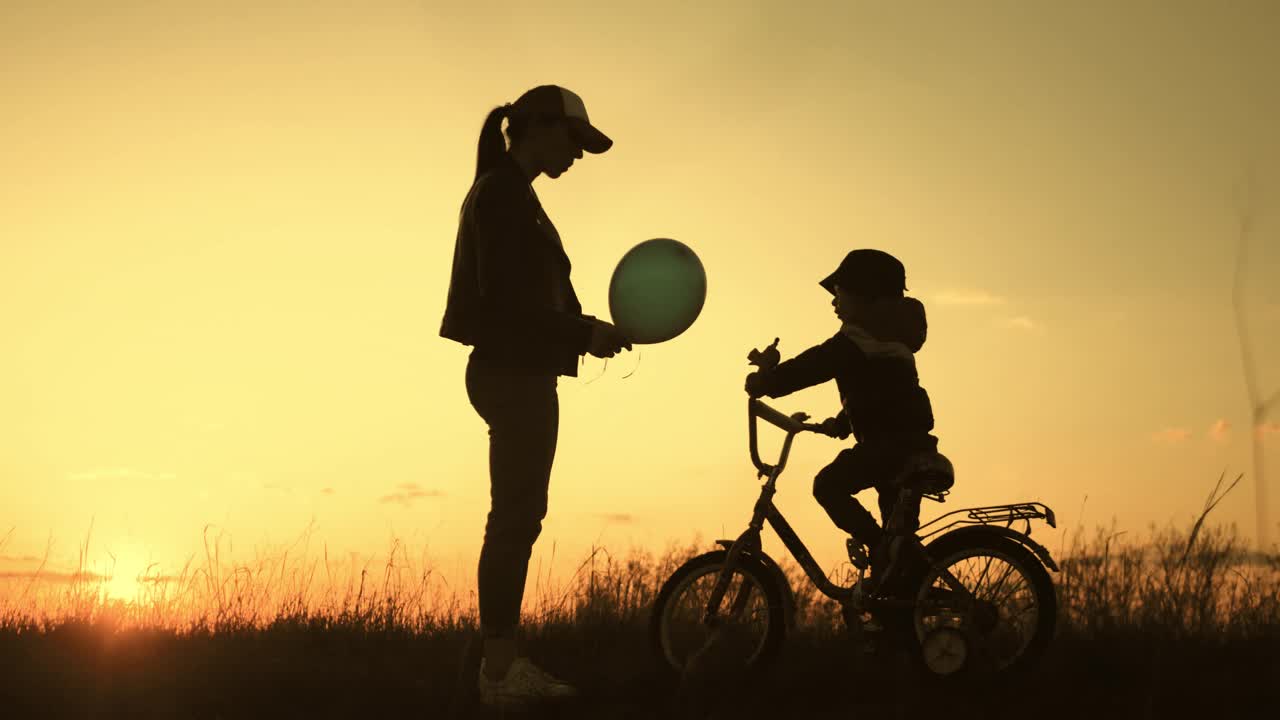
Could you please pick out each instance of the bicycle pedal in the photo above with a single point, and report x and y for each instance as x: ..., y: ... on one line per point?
x: 857, y: 556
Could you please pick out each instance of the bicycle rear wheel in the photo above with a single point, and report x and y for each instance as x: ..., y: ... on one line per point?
x: 749, y: 628
x: 1000, y: 623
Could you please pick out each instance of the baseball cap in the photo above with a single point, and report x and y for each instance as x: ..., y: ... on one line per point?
x: 555, y: 101
x: 868, y: 272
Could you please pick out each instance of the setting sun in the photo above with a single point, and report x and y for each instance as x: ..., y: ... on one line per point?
x: 129, y: 566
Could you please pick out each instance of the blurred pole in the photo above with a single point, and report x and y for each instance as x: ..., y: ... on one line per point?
x: 1245, y: 213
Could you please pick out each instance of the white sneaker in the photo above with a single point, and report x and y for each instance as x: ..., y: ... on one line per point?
x: 525, y: 683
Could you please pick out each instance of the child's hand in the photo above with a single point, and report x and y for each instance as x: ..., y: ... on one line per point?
x: 835, y: 428
x: 765, y: 359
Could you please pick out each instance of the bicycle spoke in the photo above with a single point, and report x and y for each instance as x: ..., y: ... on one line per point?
x: 1009, y: 569
x: 1010, y: 594
x: 741, y: 622
x: 997, y: 610
x: 985, y: 568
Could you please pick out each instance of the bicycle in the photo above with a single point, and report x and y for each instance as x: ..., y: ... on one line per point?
x: 950, y: 630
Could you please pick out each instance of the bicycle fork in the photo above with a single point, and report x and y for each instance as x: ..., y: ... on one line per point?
x: 748, y: 540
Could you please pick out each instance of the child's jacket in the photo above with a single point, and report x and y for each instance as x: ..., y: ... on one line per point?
x: 879, y: 389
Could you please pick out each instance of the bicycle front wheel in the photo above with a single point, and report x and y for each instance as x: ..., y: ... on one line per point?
x: 747, y: 631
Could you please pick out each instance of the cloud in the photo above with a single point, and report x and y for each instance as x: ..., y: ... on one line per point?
x: 1219, y: 430
x: 16, y: 566
x: 54, y: 577
x: 326, y: 491
x: 1172, y: 435
x: 1267, y: 428
x: 87, y: 576
x: 620, y: 518
x: 1022, y: 322
x: 968, y: 297
x: 117, y: 474
x: 17, y: 559
x: 411, y: 492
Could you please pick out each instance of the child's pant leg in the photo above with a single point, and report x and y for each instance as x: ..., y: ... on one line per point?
x: 889, y: 496
x: 896, y: 455
x: 853, y: 470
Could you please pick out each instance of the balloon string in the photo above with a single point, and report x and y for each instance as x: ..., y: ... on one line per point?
x: 597, y: 377
x: 639, y: 357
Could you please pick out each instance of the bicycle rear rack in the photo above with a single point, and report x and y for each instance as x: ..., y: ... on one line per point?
x: 991, y: 515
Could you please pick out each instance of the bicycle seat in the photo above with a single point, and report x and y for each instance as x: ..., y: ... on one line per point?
x: 929, y: 473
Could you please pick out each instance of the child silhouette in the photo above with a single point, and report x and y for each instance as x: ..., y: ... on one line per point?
x: 884, y: 407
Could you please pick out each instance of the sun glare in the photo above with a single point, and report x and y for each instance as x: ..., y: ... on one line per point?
x: 128, y: 565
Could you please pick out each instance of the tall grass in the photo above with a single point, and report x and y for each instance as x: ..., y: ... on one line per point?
x: 1201, y: 583
x: 1198, y: 582
x: 1142, y: 623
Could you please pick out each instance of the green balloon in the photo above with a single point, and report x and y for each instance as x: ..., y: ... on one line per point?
x: 657, y: 290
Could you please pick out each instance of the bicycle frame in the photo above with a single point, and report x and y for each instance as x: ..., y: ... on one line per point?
x: 765, y: 511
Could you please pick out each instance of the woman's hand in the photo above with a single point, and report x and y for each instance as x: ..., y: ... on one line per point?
x: 755, y: 384
x: 606, y: 339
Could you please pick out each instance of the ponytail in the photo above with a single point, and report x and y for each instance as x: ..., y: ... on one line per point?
x: 492, y: 143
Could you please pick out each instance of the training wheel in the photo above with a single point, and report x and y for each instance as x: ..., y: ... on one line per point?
x: 945, y: 651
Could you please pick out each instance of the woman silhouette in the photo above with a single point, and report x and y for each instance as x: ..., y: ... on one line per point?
x: 511, y: 299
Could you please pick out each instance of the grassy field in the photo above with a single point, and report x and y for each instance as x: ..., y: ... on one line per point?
x: 1178, y: 622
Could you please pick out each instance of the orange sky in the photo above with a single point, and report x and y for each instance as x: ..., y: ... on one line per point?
x: 227, y: 228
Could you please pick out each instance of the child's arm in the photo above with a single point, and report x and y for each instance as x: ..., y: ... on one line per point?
x: 818, y: 364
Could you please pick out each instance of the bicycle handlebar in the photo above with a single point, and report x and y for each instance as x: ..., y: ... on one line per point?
x: 767, y: 359
x: 776, y: 417
x: 791, y: 423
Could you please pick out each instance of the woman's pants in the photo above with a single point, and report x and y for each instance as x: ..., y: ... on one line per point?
x: 523, y: 414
